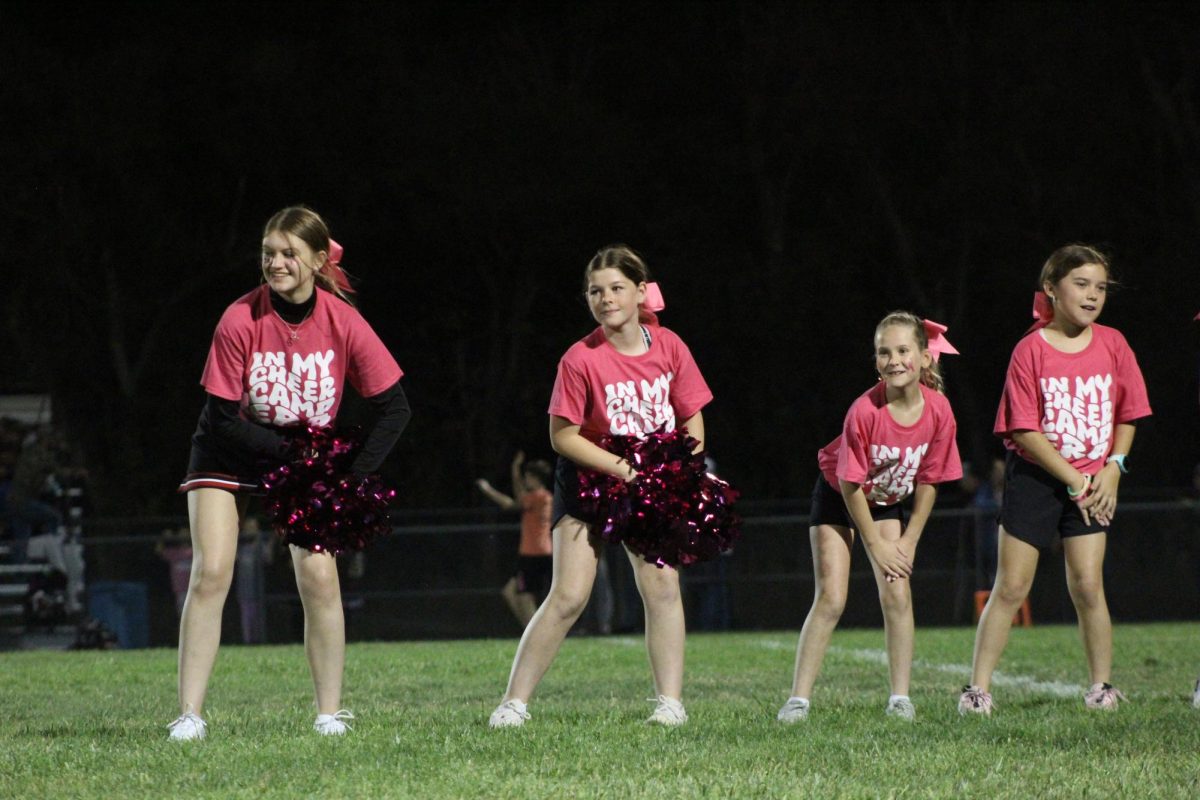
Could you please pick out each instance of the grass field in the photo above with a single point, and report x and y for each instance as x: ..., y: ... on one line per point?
x: 92, y: 724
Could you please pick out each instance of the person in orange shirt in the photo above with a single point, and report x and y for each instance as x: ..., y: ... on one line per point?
x: 526, y: 590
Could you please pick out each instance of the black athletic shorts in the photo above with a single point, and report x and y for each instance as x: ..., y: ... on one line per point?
x: 829, y: 508
x: 213, y: 469
x: 1037, y: 508
x: 566, y: 494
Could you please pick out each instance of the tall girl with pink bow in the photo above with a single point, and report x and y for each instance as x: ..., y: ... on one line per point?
x: 1072, y: 396
x: 628, y: 377
x: 278, y: 361
x: 898, y: 440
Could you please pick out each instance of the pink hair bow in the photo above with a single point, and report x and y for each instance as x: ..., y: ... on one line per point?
x: 938, y: 344
x: 333, y: 265
x: 654, y: 299
x: 1043, y: 309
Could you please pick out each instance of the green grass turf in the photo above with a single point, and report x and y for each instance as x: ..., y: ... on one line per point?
x: 92, y: 724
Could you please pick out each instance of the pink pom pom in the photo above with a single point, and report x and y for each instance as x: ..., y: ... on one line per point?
x: 316, y: 503
x: 674, y: 513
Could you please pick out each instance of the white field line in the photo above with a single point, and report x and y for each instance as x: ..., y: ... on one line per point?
x: 962, y: 671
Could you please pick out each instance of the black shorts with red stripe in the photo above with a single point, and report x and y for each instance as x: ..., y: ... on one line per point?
x: 208, y: 469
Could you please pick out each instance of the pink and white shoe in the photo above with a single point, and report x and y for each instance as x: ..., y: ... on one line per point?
x: 975, y: 701
x: 1102, y: 697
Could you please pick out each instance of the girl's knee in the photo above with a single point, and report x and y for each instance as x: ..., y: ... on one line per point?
x: 1011, y: 593
x: 567, y: 603
x: 660, y: 589
x: 211, y: 579
x: 1087, y: 593
x: 895, y: 598
x: 829, y: 604
x: 319, y: 587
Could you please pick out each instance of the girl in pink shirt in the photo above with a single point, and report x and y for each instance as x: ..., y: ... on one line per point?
x: 279, y: 358
x: 897, y: 440
x: 628, y: 377
x: 1071, y: 397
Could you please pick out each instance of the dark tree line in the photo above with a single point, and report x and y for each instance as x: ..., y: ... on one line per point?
x: 791, y: 172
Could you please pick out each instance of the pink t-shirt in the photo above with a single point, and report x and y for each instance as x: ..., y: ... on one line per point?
x: 606, y: 392
x: 888, y: 458
x: 1075, y: 399
x: 280, y: 382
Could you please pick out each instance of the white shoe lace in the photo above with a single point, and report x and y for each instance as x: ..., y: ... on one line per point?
x: 793, y: 710
x: 902, y: 708
x: 334, y: 724
x: 186, y: 726
x: 669, y: 711
x: 508, y: 714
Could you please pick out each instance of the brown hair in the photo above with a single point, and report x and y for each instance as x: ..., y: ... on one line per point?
x: 622, y: 257
x: 307, y: 225
x: 1069, y: 257
x: 931, y: 376
x: 541, y: 470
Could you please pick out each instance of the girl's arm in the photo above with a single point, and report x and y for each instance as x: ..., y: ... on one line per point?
x: 518, y: 484
x: 923, y: 499
x: 695, y: 429
x: 497, y: 497
x: 568, y: 443
x: 391, y: 405
x: 1102, y: 502
x: 894, y: 562
x: 229, y: 425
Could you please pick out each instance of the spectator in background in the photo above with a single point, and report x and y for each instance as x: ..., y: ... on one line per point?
x: 526, y: 590
x: 175, y: 548
x: 254, y: 551
x: 985, y: 503
x: 24, y: 511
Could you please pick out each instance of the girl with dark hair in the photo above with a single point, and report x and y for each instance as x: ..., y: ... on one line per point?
x: 1071, y: 397
x: 629, y: 377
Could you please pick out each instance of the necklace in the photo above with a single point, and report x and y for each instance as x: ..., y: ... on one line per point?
x: 293, y: 333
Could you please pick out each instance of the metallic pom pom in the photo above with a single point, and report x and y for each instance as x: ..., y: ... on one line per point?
x: 314, y: 502
x: 674, y: 513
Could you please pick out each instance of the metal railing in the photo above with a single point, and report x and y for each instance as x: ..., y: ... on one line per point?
x: 440, y: 574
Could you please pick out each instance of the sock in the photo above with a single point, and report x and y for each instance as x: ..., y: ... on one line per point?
x: 803, y: 700
x: 896, y: 697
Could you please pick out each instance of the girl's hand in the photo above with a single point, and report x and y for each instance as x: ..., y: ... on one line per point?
x: 1078, y: 491
x: 892, y: 559
x: 1101, y: 501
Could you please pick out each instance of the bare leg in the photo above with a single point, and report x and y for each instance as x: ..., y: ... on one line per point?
x: 665, y: 627
x: 324, y: 624
x: 574, y: 571
x: 1085, y: 580
x: 831, y: 573
x: 213, y: 514
x: 895, y: 598
x: 1015, y: 567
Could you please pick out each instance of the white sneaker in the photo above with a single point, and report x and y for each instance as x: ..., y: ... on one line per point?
x: 509, y: 714
x: 901, y: 707
x: 1196, y: 696
x: 668, y: 712
x: 794, y: 710
x: 333, y: 724
x: 187, y: 726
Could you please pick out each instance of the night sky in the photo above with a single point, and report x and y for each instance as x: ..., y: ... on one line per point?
x: 790, y: 173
